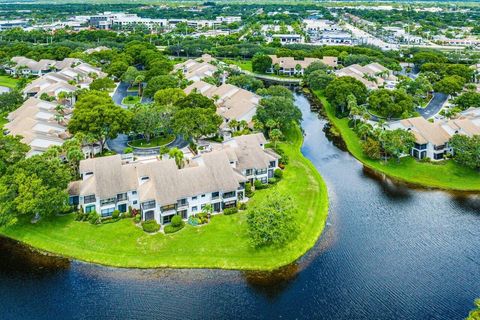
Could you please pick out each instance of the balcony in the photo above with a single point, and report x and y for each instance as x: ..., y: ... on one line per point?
x: 182, y: 204
x: 106, y: 202
x: 229, y: 195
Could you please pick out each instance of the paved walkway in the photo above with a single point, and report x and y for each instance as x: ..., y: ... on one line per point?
x: 434, y: 106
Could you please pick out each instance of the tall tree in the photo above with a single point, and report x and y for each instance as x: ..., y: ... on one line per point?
x: 97, y: 115
x: 338, y: 90
x: 282, y: 110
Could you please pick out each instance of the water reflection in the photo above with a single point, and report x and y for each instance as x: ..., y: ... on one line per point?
x: 272, y: 284
x: 393, y: 190
x: 19, y: 259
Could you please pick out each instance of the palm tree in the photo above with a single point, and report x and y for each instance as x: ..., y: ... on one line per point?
x: 275, y: 135
x: 177, y: 154
x: 138, y: 81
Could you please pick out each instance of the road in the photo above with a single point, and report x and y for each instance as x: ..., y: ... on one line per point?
x: 434, y: 106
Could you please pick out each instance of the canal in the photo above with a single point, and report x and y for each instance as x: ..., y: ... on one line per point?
x: 388, y: 252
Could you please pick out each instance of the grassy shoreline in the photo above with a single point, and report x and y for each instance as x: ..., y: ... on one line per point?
x: 221, y: 244
x: 444, y: 175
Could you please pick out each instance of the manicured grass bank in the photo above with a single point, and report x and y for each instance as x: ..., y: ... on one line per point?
x: 221, y: 244
x: 444, y: 175
x: 9, y: 82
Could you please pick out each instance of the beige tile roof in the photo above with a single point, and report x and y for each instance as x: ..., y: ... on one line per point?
x: 426, y: 131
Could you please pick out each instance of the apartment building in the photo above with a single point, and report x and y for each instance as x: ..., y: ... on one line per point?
x: 160, y: 190
x: 232, y: 102
x: 432, y: 139
x: 290, y: 66
x: 197, y: 69
x: 372, y: 75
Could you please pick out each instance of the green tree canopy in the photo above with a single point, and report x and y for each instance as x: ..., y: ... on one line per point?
x: 160, y: 82
x: 34, y: 186
x: 245, y: 82
x: 169, y: 96
x: 467, y: 100
x: 95, y: 114
x: 279, y: 109
x: 339, y: 89
x: 261, y: 63
x: 450, y: 85
x: 466, y: 150
x: 195, y: 100
x: 102, y: 84
x: 391, y: 103
x: 272, y: 222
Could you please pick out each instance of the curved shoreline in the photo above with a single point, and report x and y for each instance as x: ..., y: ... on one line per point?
x: 434, y: 180
x: 164, y: 251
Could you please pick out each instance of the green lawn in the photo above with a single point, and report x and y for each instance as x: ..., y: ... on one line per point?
x: 242, y: 64
x: 131, y: 100
x: 154, y: 142
x: 444, y: 175
x: 221, y: 244
x: 8, y: 82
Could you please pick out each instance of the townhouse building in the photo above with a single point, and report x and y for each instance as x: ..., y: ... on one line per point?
x: 232, y: 102
x: 290, y: 66
x: 159, y: 189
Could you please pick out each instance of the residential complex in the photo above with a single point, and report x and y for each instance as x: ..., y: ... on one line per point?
x: 232, y: 102
x: 290, y: 66
x: 160, y: 189
x: 197, y: 69
x: 42, y: 123
x: 372, y: 75
x: 432, y: 138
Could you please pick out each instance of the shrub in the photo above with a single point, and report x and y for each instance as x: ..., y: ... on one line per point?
x: 272, y: 180
x: 94, y: 217
x: 242, y: 206
x: 202, y: 217
x: 259, y: 185
x: 137, y: 218
x: 126, y: 215
x: 150, y: 226
x: 81, y: 216
x: 248, y: 190
x: 171, y: 228
x: 229, y: 211
x: 177, y: 221
x: 116, y: 214
x: 278, y: 173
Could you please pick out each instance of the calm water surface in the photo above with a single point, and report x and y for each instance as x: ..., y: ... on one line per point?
x: 388, y: 252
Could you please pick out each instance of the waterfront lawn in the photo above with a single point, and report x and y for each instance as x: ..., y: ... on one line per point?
x: 444, y: 175
x: 223, y: 243
x: 9, y: 82
x: 154, y: 142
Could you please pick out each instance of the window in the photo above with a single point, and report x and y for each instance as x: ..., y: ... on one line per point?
x: 203, y: 196
x: 122, y: 197
x: 272, y: 164
x: 107, y: 212
x: 73, y: 200
x: 202, y: 206
x: 215, y: 195
x: 104, y: 202
x: 264, y: 180
x: 135, y: 201
x: 260, y: 171
x: 249, y: 172
x: 148, y: 205
x: 134, y: 192
x: 89, y: 209
x: 89, y: 199
x: 229, y: 194
x: 169, y: 207
x: 194, y: 208
x: 194, y: 198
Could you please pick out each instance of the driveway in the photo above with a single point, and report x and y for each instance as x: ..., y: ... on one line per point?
x: 121, y: 93
x: 121, y: 141
x: 434, y: 106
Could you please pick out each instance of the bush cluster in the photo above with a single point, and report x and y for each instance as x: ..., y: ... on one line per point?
x: 150, y: 226
x: 137, y: 218
x: 242, y: 206
x: 176, y: 224
x: 229, y: 211
x: 259, y: 185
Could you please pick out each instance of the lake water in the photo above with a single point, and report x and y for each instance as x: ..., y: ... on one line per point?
x: 388, y: 252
